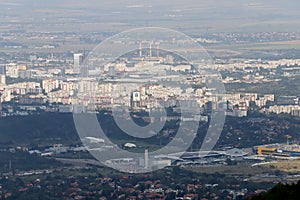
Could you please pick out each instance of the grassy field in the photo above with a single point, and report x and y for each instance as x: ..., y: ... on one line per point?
x: 241, y: 169
x: 286, y: 165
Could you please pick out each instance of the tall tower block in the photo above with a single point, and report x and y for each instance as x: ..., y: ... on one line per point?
x: 78, y: 59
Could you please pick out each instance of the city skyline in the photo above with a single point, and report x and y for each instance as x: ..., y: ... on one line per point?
x: 136, y: 99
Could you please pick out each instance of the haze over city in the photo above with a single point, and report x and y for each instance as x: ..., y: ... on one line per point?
x: 135, y: 99
x: 189, y: 16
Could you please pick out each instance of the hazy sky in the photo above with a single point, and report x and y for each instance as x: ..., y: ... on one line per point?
x: 214, y: 15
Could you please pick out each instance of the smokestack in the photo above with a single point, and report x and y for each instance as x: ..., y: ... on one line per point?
x: 157, y: 50
x: 146, y: 159
x: 150, y: 49
x: 141, y: 50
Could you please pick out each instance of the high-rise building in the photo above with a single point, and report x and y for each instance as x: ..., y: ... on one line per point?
x: 3, y: 70
x: 112, y: 71
x: 135, y: 100
x: 78, y: 59
x: 2, y: 79
x: 12, y: 70
x: 49, y: 85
